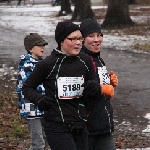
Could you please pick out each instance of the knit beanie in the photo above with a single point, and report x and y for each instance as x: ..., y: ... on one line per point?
x: 89, y: 26
x: 33, y: 39
x: 63, y: 29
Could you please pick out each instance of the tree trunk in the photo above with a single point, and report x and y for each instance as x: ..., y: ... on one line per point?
x: 82, y: 10
x: 65, y: 8
x: 131, y: 2
x: 117, y: 15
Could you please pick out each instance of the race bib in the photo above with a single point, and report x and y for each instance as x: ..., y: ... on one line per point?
x: 103, y: 75
x: 70, y: 87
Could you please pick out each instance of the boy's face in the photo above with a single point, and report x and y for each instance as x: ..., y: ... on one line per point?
x: 93, y: 42
x: 72, y: 44
x: 37, y: 51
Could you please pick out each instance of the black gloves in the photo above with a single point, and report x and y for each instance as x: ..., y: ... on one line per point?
x: 44, y: 104
x: 91, y: 89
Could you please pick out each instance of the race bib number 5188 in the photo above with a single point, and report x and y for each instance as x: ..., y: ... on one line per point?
x: 70, y: 87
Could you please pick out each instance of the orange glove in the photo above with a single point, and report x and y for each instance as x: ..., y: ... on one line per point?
x: 107, y: 89
x: 113, y: 79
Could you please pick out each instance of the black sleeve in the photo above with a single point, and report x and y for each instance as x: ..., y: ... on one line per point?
x: 92, y: 88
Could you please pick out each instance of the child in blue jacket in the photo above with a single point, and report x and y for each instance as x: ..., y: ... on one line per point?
x: 34, y: 45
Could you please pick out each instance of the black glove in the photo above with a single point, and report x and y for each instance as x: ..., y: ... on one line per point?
x: 44, y: 104
x: 91, y: 88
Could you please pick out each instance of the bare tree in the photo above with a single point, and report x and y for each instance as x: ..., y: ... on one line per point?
x: 117, y: 15
x: 82, y: 10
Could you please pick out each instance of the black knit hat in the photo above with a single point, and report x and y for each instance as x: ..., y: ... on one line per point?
x: 63, y: 29
x: 33, y: 39
x: 89, y: 26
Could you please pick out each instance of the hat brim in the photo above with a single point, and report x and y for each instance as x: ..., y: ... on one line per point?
x: 41, y: 43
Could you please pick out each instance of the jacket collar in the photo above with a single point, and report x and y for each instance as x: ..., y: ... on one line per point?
x: 84, y: 49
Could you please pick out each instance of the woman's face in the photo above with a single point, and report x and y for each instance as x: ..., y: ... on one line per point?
x: 93, y: 42
x: 72, y: 44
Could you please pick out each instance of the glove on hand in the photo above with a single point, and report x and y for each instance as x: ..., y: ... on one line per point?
x: 43, y: 104
x: 91, y: 88
x: 113, y: 79
x: 108, y: 90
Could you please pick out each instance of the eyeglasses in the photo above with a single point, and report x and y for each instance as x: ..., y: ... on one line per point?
x: 74, y: 40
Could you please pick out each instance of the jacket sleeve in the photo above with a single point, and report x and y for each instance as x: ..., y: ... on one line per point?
x: 92, y: 86
x: 24, y: 71
x: 36, y: 78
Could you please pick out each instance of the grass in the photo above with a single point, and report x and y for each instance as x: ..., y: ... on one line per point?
x: 144, y: 47
x: 11, y: 124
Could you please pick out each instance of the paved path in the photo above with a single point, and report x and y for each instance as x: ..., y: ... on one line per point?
x: 133, y: 73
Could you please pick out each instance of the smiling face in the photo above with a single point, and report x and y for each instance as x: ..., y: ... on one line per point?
x: 37, y: 51
x: 72, y: 44
x: 93, y: 42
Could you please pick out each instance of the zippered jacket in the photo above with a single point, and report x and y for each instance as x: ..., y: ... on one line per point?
x: 100, y: 117
x: 62, y: 77
x: 26, y: 65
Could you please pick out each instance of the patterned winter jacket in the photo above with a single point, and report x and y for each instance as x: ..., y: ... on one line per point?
x: 26, y: 65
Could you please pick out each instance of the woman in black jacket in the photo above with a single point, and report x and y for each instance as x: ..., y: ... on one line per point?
x: 100, y: 119
x: 63, y: 74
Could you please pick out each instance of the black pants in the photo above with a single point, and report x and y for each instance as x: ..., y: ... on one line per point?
x: 62, y: 137
x: 101, y: 142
